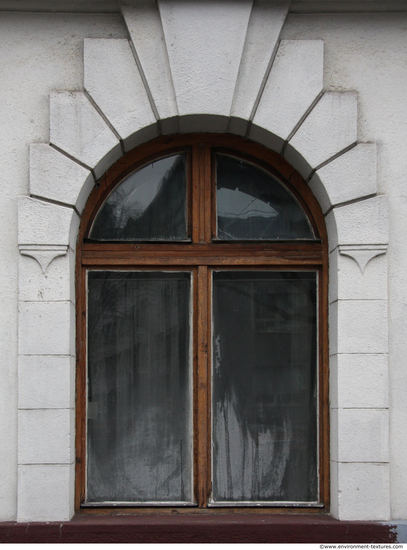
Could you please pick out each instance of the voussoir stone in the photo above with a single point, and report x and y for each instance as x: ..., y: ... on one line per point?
x: 56, y: 177
x: 294, y: 83
x: 204, y: 49
x: 265, y: 24
x: 329, y: 128
x: 146, y: 33
x: 78, y: 129
x: 351, y: 176
x: 113, y: 81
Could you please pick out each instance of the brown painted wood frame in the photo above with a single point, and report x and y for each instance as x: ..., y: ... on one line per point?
x: 200, y: 256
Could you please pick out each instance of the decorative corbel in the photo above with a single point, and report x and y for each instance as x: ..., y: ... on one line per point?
x: 362, y: 253
x: 44, y: 254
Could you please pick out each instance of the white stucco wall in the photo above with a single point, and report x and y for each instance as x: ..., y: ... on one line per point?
x: 368, y: 53
x: 39, y: 53
x: 43, y: 53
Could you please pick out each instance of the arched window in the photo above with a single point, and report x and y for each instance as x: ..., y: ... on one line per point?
x: 202, y: 332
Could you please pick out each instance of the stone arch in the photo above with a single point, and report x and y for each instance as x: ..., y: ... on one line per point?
x: 229, y: 73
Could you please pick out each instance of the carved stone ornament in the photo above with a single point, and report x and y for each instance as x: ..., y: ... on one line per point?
x: 362, y: 254
x: 43, y: 254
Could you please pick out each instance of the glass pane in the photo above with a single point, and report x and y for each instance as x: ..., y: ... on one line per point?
x: 139, y: 389
x: 253, y: 205
x: 150, y: 204
x: 264, y: 387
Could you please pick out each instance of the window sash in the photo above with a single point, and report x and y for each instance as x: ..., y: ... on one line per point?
x: 264, y: 388
x: 139, y: 411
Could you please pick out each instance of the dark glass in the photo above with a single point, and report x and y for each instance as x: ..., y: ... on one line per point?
x: 264, y: 387
x: 139, y: 428
x: 253, y: 205
x: 148, y: 205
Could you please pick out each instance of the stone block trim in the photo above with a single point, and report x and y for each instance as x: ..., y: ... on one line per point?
x: 328, y: 130
x: 45, y: 436
x: 363, y: 435
x: 45, y: 229
x: 362, y: 326
x: 45, y: 492
x: 363, y: 491
x: 262, y: 39
x: 204, y: 49
x: 55, y: 177
x: 43, y: 223
x: 79, y: 130
x: 169, y: 90
x: 363, y: 225
x: 350, y: 177
x: 149, y: 48
x: 113, y: 81
x: 45, y: 382
x: 46, y: 328
x: 294, y: 84
x: 363, y: 273
x: 359, y: 381
x: 55, y: 283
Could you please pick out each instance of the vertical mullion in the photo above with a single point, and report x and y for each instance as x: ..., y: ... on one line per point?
x: 190, y: 198
x: 198, y: 180
x: 214, y: 217
x: 202, y: 182
x: 195, y: 193
x: 207, y: 184
x: 202, y: 425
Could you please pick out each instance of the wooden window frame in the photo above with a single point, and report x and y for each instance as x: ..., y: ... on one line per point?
x: 201, y: 255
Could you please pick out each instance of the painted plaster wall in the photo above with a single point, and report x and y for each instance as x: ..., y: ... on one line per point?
x: 39, y: 53
x: 368, y: 53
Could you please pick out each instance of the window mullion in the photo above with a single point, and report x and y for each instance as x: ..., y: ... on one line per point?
x: 202, y: 428
x: 197, y: 194
x: 207, y: 187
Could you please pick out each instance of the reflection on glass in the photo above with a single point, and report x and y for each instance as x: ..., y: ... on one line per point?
x: 139, y: 393
x: 150, y: 204
x: 253, y: 205
x: 264, y: 387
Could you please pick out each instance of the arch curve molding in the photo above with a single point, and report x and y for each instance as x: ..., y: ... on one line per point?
x: 192, y: 67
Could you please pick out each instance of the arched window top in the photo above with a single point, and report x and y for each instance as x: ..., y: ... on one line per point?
x: 149, y: 204
x: 245, y: 198
x: 251, y: 204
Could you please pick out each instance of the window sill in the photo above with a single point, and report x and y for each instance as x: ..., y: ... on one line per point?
x: 197, y: 528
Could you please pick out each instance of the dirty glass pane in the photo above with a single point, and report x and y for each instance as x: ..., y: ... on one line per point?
x: 139, y: 424
x: 150, y: 204
x: 253, y: 205
x: 264, y: 387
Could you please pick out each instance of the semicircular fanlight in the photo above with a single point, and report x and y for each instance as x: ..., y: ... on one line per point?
x: 148, y: 205
x: 252, y: 204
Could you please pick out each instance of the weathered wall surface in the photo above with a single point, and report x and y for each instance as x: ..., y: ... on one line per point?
x: 39, y: 53
x: 368, y: 53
